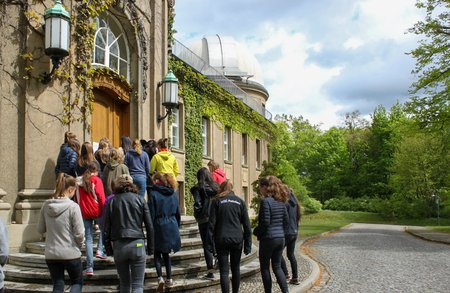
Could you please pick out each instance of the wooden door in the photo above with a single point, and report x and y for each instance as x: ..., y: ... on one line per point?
x: 110, y: 118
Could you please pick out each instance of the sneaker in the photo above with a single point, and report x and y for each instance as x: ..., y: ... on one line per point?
x: 294, y: 281
x: 209, y: 276
x: 88, y: 272
x: 101, y: 255
x: 160, y: 284
x: 169, y: 283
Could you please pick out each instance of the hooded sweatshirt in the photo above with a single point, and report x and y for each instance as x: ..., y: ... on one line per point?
x: 164, y: 162
x: 219, y: 176
x: 138, y: 165
x: 112, y: 171
x: 3, y: 250
x: 61, y: 219
x: 293, y: 211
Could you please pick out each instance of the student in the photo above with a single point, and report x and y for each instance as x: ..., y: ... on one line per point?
x: 113, y: 169
x: 164, y: 161
x: 166, y: 219
x: 68, y: 155
x: 217, y: 173
x: 61, y: 220
x: 125, y: 215
x: 293, y: 210
x: 272, y: 222
x: 139, y: 166
x: 3, y: 252
x: 230, y: 229
x: 203, y: 192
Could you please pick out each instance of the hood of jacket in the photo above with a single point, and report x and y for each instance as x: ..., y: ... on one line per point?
x: 219, y: 172
x: 164, y: 155
x: 56, y: 207
x: 113, y: 164
x: 291, y: 201
x: 162, y: 189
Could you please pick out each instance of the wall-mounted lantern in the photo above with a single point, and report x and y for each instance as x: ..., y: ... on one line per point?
x: 170, y: 94
x: 57, y: 36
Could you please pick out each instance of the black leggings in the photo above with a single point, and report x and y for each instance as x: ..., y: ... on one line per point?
x: 204, y: 234
x: 271, y: 250
x: 234, y: 253
x: 290, y: 253
x: 167, y: 264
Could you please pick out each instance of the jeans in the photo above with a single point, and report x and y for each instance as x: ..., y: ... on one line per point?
x: 234, y: 252
x: 204, y: 235
x: 272, y: 250
x: 74, y: 269
x: 141, y: 182
x: 89, y: 235
x: 130, y: 258
x: 167, y: 264
x: 290, y: 253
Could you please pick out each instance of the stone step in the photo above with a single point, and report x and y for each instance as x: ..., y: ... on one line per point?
x: 181, y: 284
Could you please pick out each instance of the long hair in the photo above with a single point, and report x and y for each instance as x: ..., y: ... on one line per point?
x: 68, y: 135
x: 103, y: 150
x: 275, y: 188
x: 63, y: 182
x: 125, y: 143
x: 225, y: 188
x: 204, y: 178
x: 137, y: 146
x: 74, y: 144
x: 166, y: 180
x: 91, y: 168
x: 116, y: 155
x: 87, y: 154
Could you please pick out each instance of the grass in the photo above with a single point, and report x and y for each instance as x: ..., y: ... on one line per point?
x: 314, y: 224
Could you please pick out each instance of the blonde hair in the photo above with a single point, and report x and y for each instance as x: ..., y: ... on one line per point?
x: 137, y: 146
x: 166, y: 179
x: 225, y: 188
x: 213, y: 166
x: 63, y: 182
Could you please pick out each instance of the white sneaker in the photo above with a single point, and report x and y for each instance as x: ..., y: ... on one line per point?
x: 160, y: 284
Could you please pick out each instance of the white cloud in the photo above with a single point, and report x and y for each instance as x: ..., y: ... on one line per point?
x: 353, y: 43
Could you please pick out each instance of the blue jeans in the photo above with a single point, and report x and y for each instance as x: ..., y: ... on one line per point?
x: 141, y: 182
x: 89, y: 235
x: 74, y: 269
x: 130, y: 258
x: 271, y: 250
x: 234, y: 253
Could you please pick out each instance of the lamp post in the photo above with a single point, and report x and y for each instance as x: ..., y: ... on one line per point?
x: 437, y: 201
x: 170, y: 94
x: 57, y: 36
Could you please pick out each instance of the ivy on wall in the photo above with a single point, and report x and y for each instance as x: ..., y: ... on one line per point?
x: 204, y: 98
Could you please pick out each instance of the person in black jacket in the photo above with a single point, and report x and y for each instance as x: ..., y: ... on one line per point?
x: 272, y: 224
x: 123, y: 235
x: 203, y: 193
x: 229, y: 227
x: 293, y: 210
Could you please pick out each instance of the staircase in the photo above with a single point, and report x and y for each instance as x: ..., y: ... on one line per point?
x: 27, y: 271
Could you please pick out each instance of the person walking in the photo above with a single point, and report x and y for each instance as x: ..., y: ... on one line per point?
x: 84, y: 159
x: 113, y: 169
x: 166, y: 217
x: 164, y: 161
x: 272, y: 223
x: 102, y: 153
x: 60, y: 218
x: 125, y: 144
x: 291, y: 234
x: 124, y: 217
x: 139, y: 165
x: 91, y: 198
x: 4, y: 251
x: 217, y: 173
x: 203, y: 192
x: 230, y: 229
x: 68, y: 155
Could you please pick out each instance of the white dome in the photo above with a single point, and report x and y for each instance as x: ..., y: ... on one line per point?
x: 228, y: 57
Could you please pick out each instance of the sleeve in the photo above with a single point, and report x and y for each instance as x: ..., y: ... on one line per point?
x: 245, y: 220
x: 153, y: 164
x: 100, y: 191
x: 175, y: 167
x: 148, y: 227
x: 197, y: 198
x: 4, y: 250
x: 77, y: 225
x: 146, y: 163
x: 178, y: 214
x: 285, y: 220
x: 264, y: 214
x: 107, y: 228
x: 212, y: 226
x: 41, y: 226
x: 73, y: 160
x: 125, y: 161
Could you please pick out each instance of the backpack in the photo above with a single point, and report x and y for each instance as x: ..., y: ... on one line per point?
x: 202, y: 214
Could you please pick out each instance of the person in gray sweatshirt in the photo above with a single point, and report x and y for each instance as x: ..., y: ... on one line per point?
x: 3, y: 252
x: 61, y: 220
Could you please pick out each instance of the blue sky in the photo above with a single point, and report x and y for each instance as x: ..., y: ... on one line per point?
x: 320, y: 58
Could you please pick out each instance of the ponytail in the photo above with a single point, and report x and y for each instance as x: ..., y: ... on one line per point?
x: 137, y: 146
x: 63, y: 182
x: 91, y: 168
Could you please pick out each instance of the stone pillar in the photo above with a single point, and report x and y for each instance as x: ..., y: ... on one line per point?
x: 5, y: 208
x: 29, y: 206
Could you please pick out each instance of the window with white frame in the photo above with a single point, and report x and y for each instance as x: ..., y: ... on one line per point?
x: 176, y: 128
x: 227, y: 144
x: 258, y: 154
x: 244, y: 149
x: 205, y: 136
x: 111, y: 48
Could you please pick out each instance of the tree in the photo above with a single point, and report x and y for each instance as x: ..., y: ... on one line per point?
x: 431, y: 103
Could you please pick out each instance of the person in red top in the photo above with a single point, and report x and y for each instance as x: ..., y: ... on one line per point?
x: 217, y: 174
x: 91, y: 198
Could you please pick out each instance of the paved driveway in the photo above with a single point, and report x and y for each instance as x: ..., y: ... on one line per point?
x: 381, y: 258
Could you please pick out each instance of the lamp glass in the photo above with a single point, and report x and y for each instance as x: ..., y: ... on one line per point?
x: 170, y: 89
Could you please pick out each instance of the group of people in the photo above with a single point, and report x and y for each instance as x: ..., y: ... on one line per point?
x: 107, y: 188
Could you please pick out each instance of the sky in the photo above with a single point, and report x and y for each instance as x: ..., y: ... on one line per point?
x: 320, y: 58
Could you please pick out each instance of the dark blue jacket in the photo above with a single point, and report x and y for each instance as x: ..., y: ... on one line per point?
x: 293, y: 214
x: 272, y: 219
x: 67, y: 160
x: 166, y: 217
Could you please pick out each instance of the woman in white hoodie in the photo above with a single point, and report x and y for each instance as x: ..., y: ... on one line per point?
x: 62, y: 222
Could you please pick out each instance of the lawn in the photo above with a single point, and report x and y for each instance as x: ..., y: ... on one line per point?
x: 314, y: 224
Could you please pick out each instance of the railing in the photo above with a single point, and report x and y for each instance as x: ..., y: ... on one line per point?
x: 187, y: 56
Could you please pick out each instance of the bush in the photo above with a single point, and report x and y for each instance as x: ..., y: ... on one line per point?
x: 362, y: 204
x: 311, y: 206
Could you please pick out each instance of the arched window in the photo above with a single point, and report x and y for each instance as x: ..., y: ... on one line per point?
x: 111, y: 48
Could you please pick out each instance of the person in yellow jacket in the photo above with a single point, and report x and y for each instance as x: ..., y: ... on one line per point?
x: 164, y: 161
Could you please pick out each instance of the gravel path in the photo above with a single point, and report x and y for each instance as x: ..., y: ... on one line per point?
x: 381, y: 258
